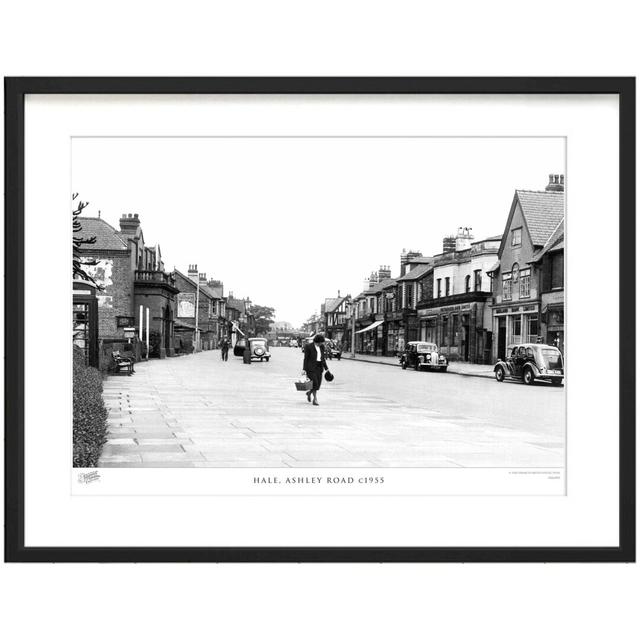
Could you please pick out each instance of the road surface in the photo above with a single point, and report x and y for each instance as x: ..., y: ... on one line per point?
x: 197, y: 411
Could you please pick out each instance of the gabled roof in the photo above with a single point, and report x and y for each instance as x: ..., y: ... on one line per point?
x: 554, y: 243
x: 107, y: 238
x: 417, y: 272
x: 543, y: 211
x: 331, y: 304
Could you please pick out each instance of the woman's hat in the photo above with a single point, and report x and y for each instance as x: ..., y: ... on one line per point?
x: 328, y: 376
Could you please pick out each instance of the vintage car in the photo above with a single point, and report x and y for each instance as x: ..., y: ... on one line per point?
x: 258, y: 346
x: 423, y: 355
x: 531, y: 362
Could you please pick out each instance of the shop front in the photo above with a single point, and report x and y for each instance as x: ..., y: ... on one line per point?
x: 369, y: 340
x: 461, y: 330
x: 515, y: 325
x: 553, y: 320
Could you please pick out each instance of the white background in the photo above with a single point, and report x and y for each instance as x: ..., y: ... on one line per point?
x: 314, y: 601
x: 586, y: 516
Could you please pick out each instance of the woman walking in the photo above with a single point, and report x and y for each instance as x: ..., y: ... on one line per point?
x: 314, y: 364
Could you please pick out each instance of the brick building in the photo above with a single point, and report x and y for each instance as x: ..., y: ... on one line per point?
x: 532, y: 245
x: 454, y: 311
x: 130, y: 274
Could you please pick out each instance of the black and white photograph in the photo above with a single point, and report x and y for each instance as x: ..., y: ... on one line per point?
x: 353, y: 303
x: 350, y: 311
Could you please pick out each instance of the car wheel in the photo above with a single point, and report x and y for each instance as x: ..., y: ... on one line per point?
x: 500, y: 374
x: 556, y: 383
x: 528, y: 376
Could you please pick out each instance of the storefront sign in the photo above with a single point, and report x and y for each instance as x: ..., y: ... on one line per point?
x: 450, y: 309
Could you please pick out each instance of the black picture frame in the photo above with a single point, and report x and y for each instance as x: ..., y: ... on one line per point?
x: 15, y: 91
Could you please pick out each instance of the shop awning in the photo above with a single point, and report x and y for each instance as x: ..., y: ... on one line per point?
x: 371, y: 326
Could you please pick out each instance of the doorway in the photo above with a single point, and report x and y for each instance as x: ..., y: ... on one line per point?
x: 502, y: 338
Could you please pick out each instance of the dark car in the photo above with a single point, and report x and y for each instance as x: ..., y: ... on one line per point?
x: 531, y: 362
x: 423, y: 355
x: 258, y: 346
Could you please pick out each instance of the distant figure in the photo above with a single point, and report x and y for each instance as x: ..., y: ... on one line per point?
x: 314, y: 364
x: 224, y: 348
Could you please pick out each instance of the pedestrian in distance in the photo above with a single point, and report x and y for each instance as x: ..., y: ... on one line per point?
x: 314, y: 364
x: 224, y: 349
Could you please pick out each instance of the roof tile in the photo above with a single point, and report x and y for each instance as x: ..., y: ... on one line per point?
x: 543, y: 212
x: 107, y: 238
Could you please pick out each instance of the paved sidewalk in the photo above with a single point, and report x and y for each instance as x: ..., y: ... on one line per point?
x: 461, y: 368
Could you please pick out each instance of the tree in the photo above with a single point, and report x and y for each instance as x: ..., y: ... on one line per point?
x: 78, y: 242
x: 263, y: 318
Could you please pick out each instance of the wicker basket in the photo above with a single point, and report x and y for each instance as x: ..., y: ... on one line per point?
x: 304, y: 386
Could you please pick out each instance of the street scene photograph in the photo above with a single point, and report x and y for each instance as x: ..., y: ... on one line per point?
x: 319, y: 302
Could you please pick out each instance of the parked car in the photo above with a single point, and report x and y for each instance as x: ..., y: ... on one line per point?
x: 531, y: 362
x: 259, y: 348
x: 423, y: 355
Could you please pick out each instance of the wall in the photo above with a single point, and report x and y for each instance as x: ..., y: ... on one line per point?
x: 115, y: 274
x: 521, y: 254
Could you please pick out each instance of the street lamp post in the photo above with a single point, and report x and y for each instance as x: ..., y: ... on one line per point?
x: 354, y: 312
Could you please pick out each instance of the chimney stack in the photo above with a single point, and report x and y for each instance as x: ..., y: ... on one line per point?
x: 463, y: 238
x: 203, y: 278
x: 193, y: 272
x: 129, y: 223
x: 373, y: 279
x: 384, y: 272
x: 556, y: 182
x: 405, y: 259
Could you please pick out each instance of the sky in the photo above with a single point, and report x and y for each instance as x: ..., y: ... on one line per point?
x: 289, y: 222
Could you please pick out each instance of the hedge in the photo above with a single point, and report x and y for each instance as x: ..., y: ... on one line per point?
x: 89, y: 413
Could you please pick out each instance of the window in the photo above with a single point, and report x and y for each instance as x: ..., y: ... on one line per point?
x: 439, y: 281
x: 506, y: 286
x: 447, y: 289
x: 445, y: 331
x: 467, y: 284
x: 420, y: 295
x: 477, y: 280
x: 525, y: 283
x: 557, y: 270
x: 516, y: 237
x: 408, y: 296
x: 517, y: 328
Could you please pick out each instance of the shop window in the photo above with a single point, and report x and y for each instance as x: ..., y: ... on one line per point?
x: 516, y: 237
x: 477, y: 280
x: 525, y: 283
x: 517, y: 329
x: 467, y: 284
x: 506, y: 286
x: 445, y: 331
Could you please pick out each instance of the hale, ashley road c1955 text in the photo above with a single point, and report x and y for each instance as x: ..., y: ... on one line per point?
x: 318, y: 480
